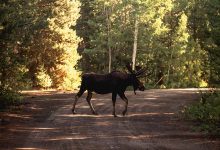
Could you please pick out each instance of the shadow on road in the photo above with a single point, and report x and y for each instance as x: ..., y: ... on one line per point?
x: 152, y: 123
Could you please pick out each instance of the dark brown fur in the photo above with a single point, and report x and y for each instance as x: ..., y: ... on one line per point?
x: 115, y: 82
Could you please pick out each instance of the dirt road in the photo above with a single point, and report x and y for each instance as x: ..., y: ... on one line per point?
x: 152, y: 123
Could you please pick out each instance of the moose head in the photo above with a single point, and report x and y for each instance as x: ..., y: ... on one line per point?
x: 139, y: 72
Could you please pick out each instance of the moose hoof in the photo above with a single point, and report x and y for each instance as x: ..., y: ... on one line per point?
x: 73, y: 111
x: 124, y: 113
x: 95, y: 113
x: 115, y: 115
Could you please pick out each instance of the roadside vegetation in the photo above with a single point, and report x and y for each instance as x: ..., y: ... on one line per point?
x: 8, y: 98
x: 206, y: 112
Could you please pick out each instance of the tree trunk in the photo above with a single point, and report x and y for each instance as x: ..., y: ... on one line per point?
x: 109, y: 38
x: 110, y: 59
x: 170, y: 47
x: 135, y: 44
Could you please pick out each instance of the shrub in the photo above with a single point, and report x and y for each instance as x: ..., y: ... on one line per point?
x: 43, y: 79
x: 206, y: 112
x: 9, y: 97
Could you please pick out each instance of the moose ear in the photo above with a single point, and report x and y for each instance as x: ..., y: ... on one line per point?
x: 128, y: 66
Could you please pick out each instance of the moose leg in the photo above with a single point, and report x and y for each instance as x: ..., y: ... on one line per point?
x: 124, y: 98
x: 88, y: 99
x: 114, y: 95
x: 78, y: 95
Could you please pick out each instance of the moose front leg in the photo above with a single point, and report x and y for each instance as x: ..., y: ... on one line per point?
x: 124, y: 98
x: 74, y: 104
x: 88, y: 98
x: 114, y: 95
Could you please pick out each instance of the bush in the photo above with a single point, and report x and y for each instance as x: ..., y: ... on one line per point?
x: 206, y: 112
x: 43, y: 79
x: 9, y: 97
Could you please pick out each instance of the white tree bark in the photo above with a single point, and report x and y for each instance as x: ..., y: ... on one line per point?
x: 135, y: 44
x: 109, y: 38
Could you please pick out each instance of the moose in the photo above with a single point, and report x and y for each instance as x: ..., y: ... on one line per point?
x: 115, y: 82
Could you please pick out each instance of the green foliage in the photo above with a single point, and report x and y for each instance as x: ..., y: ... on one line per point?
x: 38, y: 46
x: 43, y: 79
x: 204, y: 24
x: 39, y: 38
x: 8, y: 97
x: 65, y: 42
x: 206, y: 112
x: 167, y: 45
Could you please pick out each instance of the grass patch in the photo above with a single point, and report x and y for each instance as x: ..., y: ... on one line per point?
x: 206, y: 112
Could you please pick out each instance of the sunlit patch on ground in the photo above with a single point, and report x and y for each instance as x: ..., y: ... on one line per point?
x: 30, y: 148
x: 67, y: 138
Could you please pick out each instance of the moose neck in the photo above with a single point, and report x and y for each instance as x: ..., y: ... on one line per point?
x: 130, y: 80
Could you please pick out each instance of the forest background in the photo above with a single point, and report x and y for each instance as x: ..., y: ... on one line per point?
x: 49, y: 44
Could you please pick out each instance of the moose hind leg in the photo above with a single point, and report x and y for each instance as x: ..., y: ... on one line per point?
x: 88, y: 99
x: 114, y: 96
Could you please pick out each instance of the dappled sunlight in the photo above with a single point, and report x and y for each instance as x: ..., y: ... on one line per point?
x: 151, y: 114
x: 142, y: 136
x: 101, y: 98
x: 32, y: 129
x: 30, y: 148
x: 104, y: 123
x: 100, y: 104
x: 59, y: 138
x: 138, y: 137
x: 111, y: 116
x: 54, y: 99
x: 150, y: 98
x: 84, y: 107
x: 36, y: 108
x: 40, y: 92
x: 19, y: 116
x: 46, y: 128
x: 84, y: 115
x: 143, y: 114
x: 174, y: 91
x: 169, y: 113
x: 188, y: 89
x: 108, y: 114
x: 147, y: 98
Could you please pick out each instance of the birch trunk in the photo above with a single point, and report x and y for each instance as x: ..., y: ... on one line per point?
x: 135, y: 44
x: 109, y: 38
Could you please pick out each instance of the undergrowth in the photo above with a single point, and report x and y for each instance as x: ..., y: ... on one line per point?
x: 206, y: 112
x: 9, y: 98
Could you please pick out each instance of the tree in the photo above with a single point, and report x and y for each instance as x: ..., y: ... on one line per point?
x: 170, y: 43
x: 12, y: 35
x: 204, y: 22
x: 65, y: 42
x: 38, y: 45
